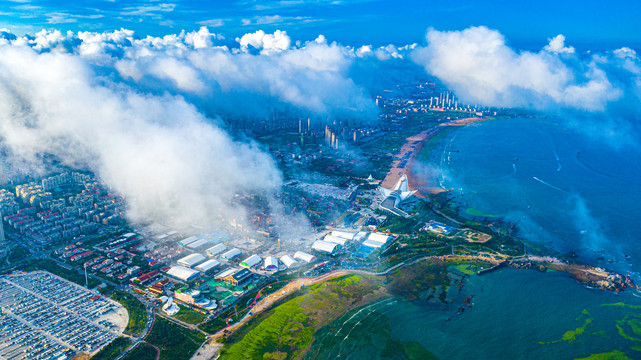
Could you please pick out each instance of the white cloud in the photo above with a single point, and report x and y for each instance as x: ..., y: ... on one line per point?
x: 266, y: 43
x: 478, y: 65
x: 557, y: 45
x: 123, y: 106
x: 167, y: 159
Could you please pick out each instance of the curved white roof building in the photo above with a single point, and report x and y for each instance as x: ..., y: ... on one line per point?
x: 324, y: 246
x: 288, y: 261
x: 215, y: 250
x: 335, y: 239
x: 230, y: 254
x: 251, y: 261
x: 271, y: 263
x: 191, y: 260
x: 208, y: 265
x: 183, y: 273
x: 304, y: 256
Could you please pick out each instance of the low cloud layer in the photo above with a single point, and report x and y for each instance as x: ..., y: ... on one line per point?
x: 480, y: 67
x: 158, y: 151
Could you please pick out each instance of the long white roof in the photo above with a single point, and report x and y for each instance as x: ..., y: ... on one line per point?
x: 378, y: 238
x: 182, y: 273
x: 335, y: 239
x: 251, y: 261
x: 372, y: 244
x: 223, y: 274
x: 187, y: 241
x: 191, y: 260
x: 304, y: 256
x: 288, y: 261
x: 198, y: 243
x: 343, y: 234
x: 208, y: 265
x: 230, y: 254
x: 325, y: 246
x: 215, y: 250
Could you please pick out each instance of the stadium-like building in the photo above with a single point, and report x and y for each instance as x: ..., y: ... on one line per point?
x: 395, y: 197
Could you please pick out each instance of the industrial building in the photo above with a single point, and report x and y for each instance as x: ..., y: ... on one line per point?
x: 324, y: 246
x: 199, y: 244
x: 225, y: 273
x: 271, y: 263
x: 288, y: 261
x: 192, y: 260
x: 183, y: 273
x: 187, y: 241
x: 343, y: 234
x: 229, y: 255
x: 375, y: 240
x: 335, y: 239
x: 208, y: 265
x: 239, y: 277
x: 304, y: 256
x: 215, y: 250
x: 251, y: 261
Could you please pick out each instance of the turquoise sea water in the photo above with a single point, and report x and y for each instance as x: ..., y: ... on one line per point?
x: 515, y: 314
x: 565, y: 191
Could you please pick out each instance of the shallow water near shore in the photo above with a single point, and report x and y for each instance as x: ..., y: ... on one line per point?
x: 515, y: 314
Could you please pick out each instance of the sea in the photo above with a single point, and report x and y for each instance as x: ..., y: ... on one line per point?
x: 566, y: 191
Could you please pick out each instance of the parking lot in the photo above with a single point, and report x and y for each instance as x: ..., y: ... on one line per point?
x: 46, y: 317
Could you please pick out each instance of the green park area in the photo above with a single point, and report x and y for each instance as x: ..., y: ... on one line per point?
x: 288, y: 330
x: 174, y: 341
x: 112, y: 350
x: 189, y: 316
x: 136, y: 310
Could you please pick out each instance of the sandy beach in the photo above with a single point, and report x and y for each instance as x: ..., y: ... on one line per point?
x: 406, y: 157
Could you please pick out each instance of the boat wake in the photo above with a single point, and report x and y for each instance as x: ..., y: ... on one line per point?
x: 549, y: 185
x: 558, y: 161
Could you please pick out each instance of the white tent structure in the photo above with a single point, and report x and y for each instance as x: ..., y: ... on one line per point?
x: 288, y: 261
x: 304, y: 256
x: 271, y: 263
x: 191, y: 260
x: 251, y: 261
x: 183, y: 273
x: 324, y: 246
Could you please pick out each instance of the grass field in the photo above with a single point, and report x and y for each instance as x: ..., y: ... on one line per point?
x: 112, y: 350
x: 143, y: 351
x: 286, y: 331
x: 189, y: 316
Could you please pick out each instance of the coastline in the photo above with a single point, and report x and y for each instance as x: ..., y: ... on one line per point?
x: 406, y: 159
x: 586, y: 274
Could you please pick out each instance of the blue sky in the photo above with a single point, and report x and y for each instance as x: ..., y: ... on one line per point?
x: 587, y: 24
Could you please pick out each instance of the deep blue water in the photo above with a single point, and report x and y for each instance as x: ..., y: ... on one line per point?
x: 563, y: 189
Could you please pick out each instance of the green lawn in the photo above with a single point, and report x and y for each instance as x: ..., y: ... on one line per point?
x: 189, y: 316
